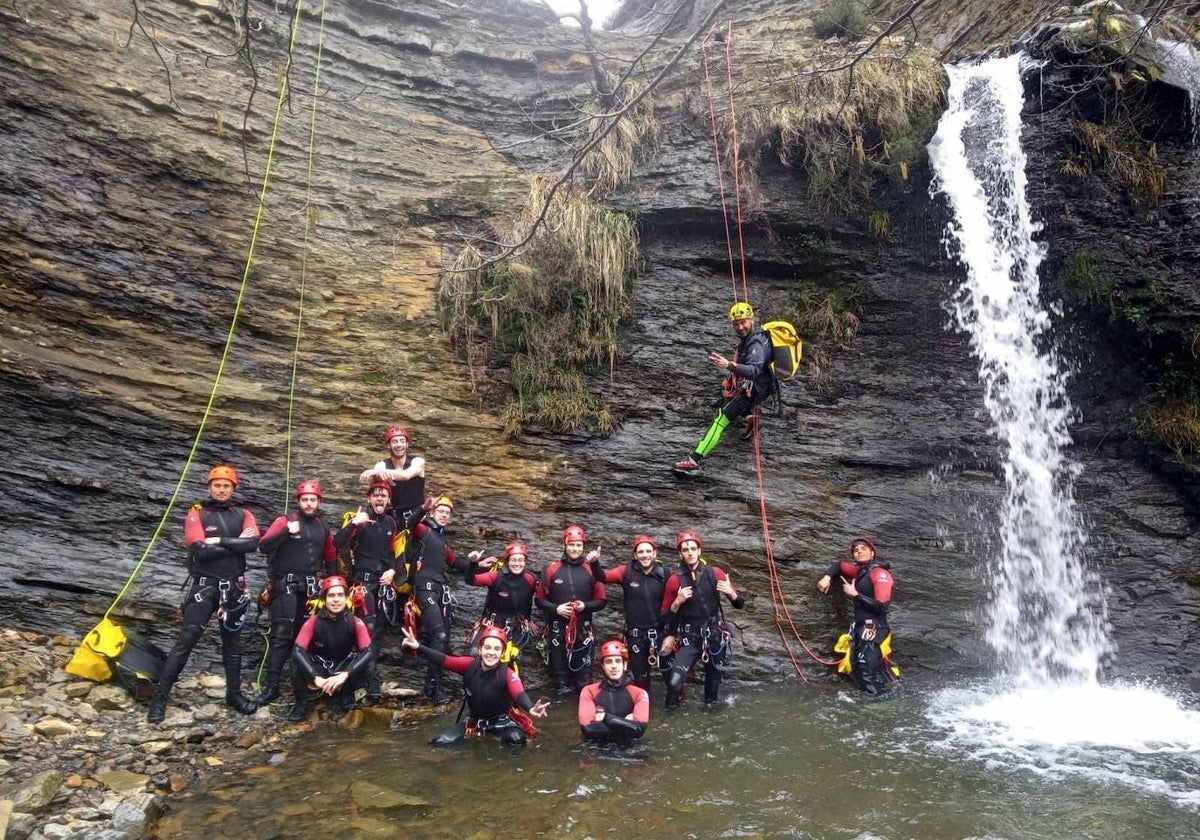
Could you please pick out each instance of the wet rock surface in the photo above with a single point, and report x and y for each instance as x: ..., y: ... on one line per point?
x: 78, y: 760
x: 124, y: 221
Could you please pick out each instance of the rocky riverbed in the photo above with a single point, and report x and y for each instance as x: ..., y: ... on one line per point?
x: 78, y: 760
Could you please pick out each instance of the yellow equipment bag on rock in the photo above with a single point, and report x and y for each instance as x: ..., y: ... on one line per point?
x: 92, y: 660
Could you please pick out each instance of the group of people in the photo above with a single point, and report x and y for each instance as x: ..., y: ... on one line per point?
x: 332, y: 594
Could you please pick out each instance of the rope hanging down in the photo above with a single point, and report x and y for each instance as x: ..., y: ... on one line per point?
x: 237, y: 311
x: 781, y: 613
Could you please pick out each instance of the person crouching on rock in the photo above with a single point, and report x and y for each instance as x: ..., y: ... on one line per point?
x: 497, y: 703
x: 613, y: 710
x: 332, y: 654
x: 219, y: 535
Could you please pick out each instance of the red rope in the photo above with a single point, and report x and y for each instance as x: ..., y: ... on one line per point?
x: 781, y: 613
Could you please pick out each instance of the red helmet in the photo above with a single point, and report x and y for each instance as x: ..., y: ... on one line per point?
x: 332, y: 581
x: 867, y: 541
x: 313, y: 487
x: 614, y: 647
x: 643, y: 538
x: 574, y: 533
x: 396, y: 431
x: 494, y: 632
x: 222, y: 472
x: 516, y: 548
x: 378, y: 484
x: 684, y: 536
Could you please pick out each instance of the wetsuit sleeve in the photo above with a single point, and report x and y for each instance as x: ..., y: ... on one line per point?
x: 343, y: 536
x: 641, y: 704
x: 193, y: 528
x: 454, y: 563
x: 457, y: 664
x: 362, y: 641
x: 587, y: 706
x: 833, y: 569
x: 599, y: 598
x: 616, y: 575
x: 274, y: 536
x: 737, y: 602
x: 247, y: 540
x: 635, y: 728
x: 516, y: 690
x: 300, y: 655
x: 481, y: 579
x: 330, y: 556
x: 539, y: 595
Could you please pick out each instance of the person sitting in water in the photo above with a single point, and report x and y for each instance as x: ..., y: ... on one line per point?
x: 749, y: 381
x: 332, y: 654
x: 613, y: 710
x: 497, y: 703
x: 867, y: 581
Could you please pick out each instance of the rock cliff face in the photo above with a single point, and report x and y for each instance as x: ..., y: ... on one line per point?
x: 126, y: 217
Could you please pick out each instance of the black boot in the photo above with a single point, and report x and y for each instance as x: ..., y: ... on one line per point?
x: 268, y: 695
x: 172, y: 667
x: 231, y: 656
x: 374, y: 685
x: 158, y: 708
x: 301, y: 707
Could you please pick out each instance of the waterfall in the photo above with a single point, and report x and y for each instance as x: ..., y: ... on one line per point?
x: 1047, y: 619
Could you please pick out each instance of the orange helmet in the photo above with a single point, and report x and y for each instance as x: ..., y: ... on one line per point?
x: 378, y: 484
x: 222, y: 472
x: 396, y: 431
x: 494, y: 632
x: 332, y: 581
x: 684, y: 536
x: 516, y: 548
x: 574, y: 533
x: 614, y: 647
x: 643, y: 538
x: 313, y: 487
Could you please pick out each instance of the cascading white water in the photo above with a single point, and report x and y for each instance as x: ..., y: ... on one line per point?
x: 1047, y: 618
x: 1181, y: 67
x: 1047, y: 713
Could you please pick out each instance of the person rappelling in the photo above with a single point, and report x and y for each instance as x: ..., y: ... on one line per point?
x: 749, y: 380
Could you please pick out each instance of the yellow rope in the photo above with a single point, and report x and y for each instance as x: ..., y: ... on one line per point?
x: 312, y: 141
x: 237, y: 311
x: 312, y: 135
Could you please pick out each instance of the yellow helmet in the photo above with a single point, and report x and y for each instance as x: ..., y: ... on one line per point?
x: 740, y: 311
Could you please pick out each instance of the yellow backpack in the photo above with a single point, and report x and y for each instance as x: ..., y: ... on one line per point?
x: 97, y: 651
x: 787, y: 349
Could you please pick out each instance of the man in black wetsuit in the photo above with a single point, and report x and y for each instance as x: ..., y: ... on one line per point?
x: 695, y: 628
x: 642, y: 581
x: 867, y: 581
x: 370, y: 536
x: 568, y: 595
x: 219, y: 535
x: 300, y: 552
x: 613, y: 710
x: 433, y: 557
x: 332, y: 653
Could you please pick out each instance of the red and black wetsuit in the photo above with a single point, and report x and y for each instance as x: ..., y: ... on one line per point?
x: 873, y: 581
x: 571, y: 652
x: 619, y: 701
x: 697, y: 628
x: 295, y: 564
x: 433, y: 558
x: 491, y: 694
x: 372, y: 548
x: 329, y: 644
x: 643, y: 594
x: 509, y: 601
x: 218, y: 583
